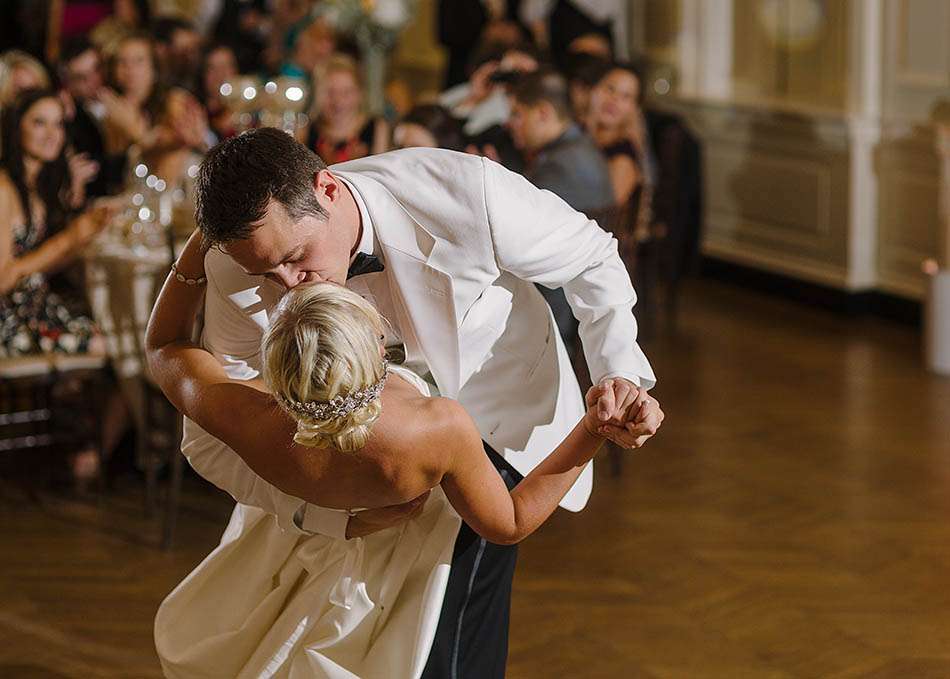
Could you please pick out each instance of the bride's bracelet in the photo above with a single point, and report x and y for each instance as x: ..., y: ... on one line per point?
x: 182, y: 278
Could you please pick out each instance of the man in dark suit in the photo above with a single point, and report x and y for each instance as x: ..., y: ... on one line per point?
x: 80, y: 72
x: 466, y: 24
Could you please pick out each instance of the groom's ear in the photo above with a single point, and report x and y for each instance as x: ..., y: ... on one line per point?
x: 326, y: 186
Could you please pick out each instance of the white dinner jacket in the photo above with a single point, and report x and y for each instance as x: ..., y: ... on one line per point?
x: 463, y: 240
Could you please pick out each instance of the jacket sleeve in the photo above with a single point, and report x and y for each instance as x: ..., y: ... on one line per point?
x: 539, y: 238
x: 233, y: 327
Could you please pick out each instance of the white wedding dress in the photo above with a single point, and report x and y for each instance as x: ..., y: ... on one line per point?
x: 271, y: 603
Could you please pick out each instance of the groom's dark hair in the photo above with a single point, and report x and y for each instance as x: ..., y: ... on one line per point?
x: 240, y: 176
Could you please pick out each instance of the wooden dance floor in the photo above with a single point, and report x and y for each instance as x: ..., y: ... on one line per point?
x: 792, y: 520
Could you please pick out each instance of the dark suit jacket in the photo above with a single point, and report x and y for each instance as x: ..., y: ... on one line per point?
x: 573, y: 168
x: 461, y: 23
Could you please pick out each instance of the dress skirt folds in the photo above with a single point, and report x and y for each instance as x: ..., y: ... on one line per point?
x: 271, y: 603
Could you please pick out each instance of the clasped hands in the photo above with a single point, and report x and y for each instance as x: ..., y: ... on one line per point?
x: 627, y: 415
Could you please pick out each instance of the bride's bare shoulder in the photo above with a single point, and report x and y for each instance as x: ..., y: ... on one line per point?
x: 429, y: 431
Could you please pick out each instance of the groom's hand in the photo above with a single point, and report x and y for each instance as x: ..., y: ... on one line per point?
x: 629, y: 416
x: 371, y: 521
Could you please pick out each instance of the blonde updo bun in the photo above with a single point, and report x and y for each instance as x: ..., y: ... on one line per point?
x: 323, y: 342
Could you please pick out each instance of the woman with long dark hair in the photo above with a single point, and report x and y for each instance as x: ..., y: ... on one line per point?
x: 39, y: 234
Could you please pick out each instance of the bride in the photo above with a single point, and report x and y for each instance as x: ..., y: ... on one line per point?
x: 272, y: 603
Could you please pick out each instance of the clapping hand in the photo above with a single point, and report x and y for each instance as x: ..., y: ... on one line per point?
x: 625, y: 414
x: 82, y: 170
x: 90, y: 223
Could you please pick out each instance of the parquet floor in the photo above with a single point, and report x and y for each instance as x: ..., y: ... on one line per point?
x: 793, y: 520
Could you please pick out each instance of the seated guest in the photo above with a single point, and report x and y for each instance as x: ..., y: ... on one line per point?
x: 219, y: 66
x: 593, y: 26
x: 131, y: 104
x: 615, y: 121
x: 482, y: 102
x: 20, y: 72
x: 310, y: 46
x: 465, y: 24
x: 560, y: 156
x: 341, y: 129
x: 561, y: 159
x: 583, y: 71
x: 178, y: 50
x: 246, y: 25
x: 38, y: 236
x: 181, y: 138
x: 431, y: 126
x: 128, y: 18
x: 80, y: 72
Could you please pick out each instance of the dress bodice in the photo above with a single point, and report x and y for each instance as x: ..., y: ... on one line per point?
x: 412, y: 378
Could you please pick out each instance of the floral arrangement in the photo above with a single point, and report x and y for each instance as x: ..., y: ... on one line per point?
x: 373, y: 23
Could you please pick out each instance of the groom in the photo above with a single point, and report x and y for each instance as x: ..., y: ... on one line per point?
x: 448, y: 247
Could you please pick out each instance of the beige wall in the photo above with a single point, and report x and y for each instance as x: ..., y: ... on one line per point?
x: 804, y: 157
x: 916, y: 76
x: 811, y: 70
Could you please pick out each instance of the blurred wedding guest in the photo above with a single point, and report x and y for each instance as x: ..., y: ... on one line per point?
x: 561, y: 159
x: 128, y: 18
x: 310, y: 46
x: 561, y: 156
x: 246, y: 24
x: 341, y: 129
x: 482, y: 102
x: 220, y: 65
x: 181, y: 138
x: 80, y: 72
x: 463, y: 25
x: 288, y: 20
x: 594, y: 26
x: 178, y: 51
x: 20, y: 72
x: 583, y: 72
x: 131, y: 104
x: 39, y: 236
x: 615, y: 121
x: 430, y: 126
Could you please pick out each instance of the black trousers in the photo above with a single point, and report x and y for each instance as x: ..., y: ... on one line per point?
x: 471, y: 641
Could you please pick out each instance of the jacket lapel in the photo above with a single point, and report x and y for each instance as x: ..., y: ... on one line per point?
x: 425, y: 291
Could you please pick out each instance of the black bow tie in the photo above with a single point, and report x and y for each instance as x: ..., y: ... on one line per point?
x: 364, y: 263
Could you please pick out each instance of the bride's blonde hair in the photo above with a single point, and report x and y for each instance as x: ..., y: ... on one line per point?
x: 324, y: 342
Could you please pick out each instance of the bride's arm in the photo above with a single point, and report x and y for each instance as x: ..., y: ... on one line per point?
x: 478, y: 494
x: 183, y: 370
